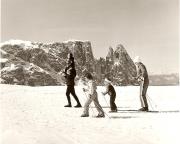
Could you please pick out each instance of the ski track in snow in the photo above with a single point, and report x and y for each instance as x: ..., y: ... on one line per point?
x: 36, y: 115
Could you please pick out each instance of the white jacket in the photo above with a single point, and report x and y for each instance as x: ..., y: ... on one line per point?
x: 91, y: 88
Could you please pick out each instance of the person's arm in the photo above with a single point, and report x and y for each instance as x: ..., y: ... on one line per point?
x: 107, y: 90
x: 143, y: 70
x: 140, y: 73
x: 71, y: 75
x: 65, y: 72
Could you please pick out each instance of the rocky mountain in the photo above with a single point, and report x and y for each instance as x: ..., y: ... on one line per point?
x: 124, y: 68
x: 118, y: 66
x: 32, y: 63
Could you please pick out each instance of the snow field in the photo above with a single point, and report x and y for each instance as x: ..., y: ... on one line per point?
x: 36, y: 115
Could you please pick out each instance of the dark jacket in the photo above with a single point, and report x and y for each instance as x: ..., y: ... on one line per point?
x: 70, y: 76
x: 110, y: 90
x: 70, y: 65
x: 142, y: 72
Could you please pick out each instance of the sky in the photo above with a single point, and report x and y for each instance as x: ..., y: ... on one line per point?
x: 147, y: 28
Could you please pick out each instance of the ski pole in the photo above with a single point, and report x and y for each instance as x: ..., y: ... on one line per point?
x: 149, y: 102
x: 105, y: 100
x: 152, y: 100
x: 102, y: 110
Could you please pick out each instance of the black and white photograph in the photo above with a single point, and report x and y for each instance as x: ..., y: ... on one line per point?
x: 89, y: 72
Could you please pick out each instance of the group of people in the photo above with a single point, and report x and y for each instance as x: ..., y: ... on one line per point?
x: 70, y: 73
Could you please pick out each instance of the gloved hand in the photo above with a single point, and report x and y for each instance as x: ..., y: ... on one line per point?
x: 140, y: 79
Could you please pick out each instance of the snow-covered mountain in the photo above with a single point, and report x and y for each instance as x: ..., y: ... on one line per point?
x: 123, y: 68
x: 118, y: 66
x: 34, y: 63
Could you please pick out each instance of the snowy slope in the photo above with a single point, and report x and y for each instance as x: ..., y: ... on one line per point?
x: 36, y: 115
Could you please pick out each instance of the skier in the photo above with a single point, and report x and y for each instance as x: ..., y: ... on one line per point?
x: 70, y: 74
x: 142, y: 77
x: 112, y: 93
x: 92, y: 96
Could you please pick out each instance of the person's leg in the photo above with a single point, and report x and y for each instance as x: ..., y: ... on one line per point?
x: 145, y: 87
x: 112, y: 99
x: 111, y: 103
x: 75, y: 97
x: 68, y: 96
x: 98, y: 106
x: 141, y: 90
x: 86, y: 108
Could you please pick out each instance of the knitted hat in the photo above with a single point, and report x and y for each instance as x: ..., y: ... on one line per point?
x: 137, y: 59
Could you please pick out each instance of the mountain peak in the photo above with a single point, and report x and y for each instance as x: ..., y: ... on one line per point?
x: 120, y: 66
x: 120, y: 48
x: 75, y: 40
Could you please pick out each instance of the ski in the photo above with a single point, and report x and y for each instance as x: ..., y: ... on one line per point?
x: 153, y: 111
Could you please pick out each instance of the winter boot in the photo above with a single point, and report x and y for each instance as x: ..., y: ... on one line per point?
x: 84, y: 115
x: 78, y: 105
x: 68, y: 105
x: 112, y: 111
x: 100, y: 116
x: 143, y: 109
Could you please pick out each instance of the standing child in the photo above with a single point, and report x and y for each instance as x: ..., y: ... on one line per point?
x: 92, y: 96
x: 112, y: 93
